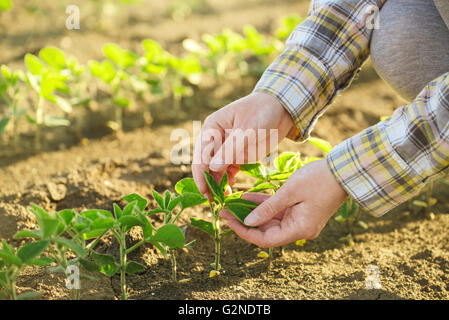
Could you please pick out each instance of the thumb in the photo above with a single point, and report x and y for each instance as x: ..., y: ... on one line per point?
x: 285, y: 197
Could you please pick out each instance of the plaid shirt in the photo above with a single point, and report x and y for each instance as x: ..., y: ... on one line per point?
x: 387, y: 163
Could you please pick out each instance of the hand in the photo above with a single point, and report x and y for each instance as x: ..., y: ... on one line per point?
x: 217, y: 152
x: 298, y: 210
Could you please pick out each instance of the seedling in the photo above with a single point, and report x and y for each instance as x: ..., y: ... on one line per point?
x: 113, y: 72
x: 287, y: 25
x: 119, y: 223
x: 45, y: 81
x: 12, y: 262
x: 233, y: 203
x: 167, y: 203
x: 65, y: 233
x: 10, y: 92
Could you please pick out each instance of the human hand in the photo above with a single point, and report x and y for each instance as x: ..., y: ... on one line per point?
x: 221, y: 145
x: 298, y: 210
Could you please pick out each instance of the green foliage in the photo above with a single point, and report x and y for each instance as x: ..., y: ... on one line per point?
x: 11, y: 263
x: 287, y: 25
x: 5, y: 5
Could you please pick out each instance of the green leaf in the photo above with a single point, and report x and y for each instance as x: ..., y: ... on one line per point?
x: 89, y: 265
x: 34, y: 65
x: 159, y: 199
x: 37, y: 234
x: 117, y: 211
x: 31, y: 250
x: 206, y: 226
x: 5, y: 4
x: 10, y: 258
x: 133, y: 267
x: 29, y: 295
x: 121, y: 57
x: 170, y: 235
x: 66, y: 216
x: 216, y: 192
x: 130, y: 221
x: 106, y: 262
x: 224, y: 182
x: 53, y: 57
x: 141, y: 202
x: 167, y: 198
x: 104, y: 70
x: 187, y: 185
x: 41, y: 262
x: 189, y: 200
x: 3, y: 123
x: 47, y: 223
x: 70, y: 244
x: 173, y: 203
x: 262, y: 187
x: 252, y: 169
x: 240, y: 208
x: 321, y: 144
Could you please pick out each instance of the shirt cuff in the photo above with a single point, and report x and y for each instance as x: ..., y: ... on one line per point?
x: 303, y: 84
x: 372, y: 173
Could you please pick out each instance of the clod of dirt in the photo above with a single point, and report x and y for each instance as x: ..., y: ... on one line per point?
x: 57, y: 191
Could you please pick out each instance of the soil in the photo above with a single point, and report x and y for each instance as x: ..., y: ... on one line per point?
x: 410, y: 248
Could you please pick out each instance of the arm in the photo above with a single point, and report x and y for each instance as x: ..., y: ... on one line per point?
x: 389, y: 163
x: 321, y: 58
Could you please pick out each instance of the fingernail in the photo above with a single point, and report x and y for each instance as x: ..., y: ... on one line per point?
x: 251, y: 219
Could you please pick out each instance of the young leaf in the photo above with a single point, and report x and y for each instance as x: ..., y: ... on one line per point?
x: 240, y: 208
x: 167, y: 198
x: 31, y: 250
x: 159, y: 199
x: 321, y: 144
x: 129, y: 221
x: 224, y: 182
x: 262, y: 187
x: 117, y: 211
x: 53, y: 57
x: 186, y: 185
x: 41, y: 262
x: 70, y: 244
x: 133, y: 267
x: 106, y: 262
x: 206, y: 226
x: 189, y: 199
x: 89, y: 265
x: 37, y: 234
x: 34, y: 65
x: 10, y: 258
x: 170, y: 235
x: 141, y: 202
x: 216, y: 192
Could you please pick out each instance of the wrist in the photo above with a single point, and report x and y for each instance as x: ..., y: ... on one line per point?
x: 276, y: 108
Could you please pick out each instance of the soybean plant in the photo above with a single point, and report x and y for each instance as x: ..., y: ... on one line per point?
x: 12, y: 262
x: 119, y: 223
x: 66, y: 233
x: 167, y: 204
x: 46, y: 81
x: 10, y: 92
x: 238, y: 207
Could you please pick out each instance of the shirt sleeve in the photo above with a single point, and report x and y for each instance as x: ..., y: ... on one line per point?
x: 322, y: 56
x: 390, y: 162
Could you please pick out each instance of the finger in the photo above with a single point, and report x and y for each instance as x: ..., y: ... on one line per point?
x: 256, y: 197
x: 228, y: 153
x: 232, y: 171
x: 287, y: 196
x: 203, y: 151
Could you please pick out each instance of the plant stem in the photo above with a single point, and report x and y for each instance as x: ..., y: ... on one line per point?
x: 215, y: 210
x: 39, y: 123
x: 123, y: 266
x: 173, y: 263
